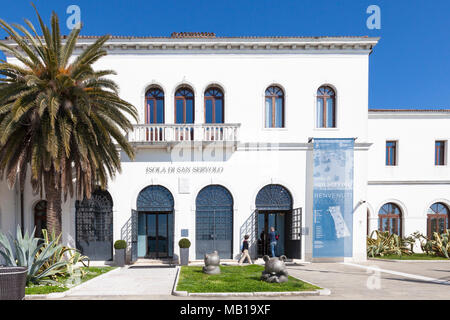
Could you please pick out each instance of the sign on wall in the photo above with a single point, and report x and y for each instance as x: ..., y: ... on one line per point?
x: 333, y: 198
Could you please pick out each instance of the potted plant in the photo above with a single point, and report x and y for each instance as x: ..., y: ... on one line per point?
x: 184, y: 245
x: 120, y: 246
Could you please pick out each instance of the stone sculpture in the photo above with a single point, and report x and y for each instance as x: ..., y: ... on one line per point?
x: 275, y: 270
x: 212, y: 262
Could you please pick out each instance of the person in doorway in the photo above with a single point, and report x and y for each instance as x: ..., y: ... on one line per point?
x: 273, y: 240
x: 262, y: 244
x: 244, y: 251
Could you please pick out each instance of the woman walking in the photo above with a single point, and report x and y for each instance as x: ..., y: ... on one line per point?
x: 245, y: 251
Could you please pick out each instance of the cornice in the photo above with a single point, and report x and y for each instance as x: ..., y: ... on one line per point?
x: 330, y: 45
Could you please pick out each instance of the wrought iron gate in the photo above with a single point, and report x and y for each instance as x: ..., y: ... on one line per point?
x: 94, y: 226
x: 214, y: 222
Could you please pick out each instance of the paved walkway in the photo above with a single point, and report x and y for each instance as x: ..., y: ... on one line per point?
x: 141, y: 281
x: 379, y: 280
x: 369, y: 280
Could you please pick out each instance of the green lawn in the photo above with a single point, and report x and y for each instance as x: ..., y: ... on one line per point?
x: 66, y: 283
x: 414, y: 256
x: 235, y: 279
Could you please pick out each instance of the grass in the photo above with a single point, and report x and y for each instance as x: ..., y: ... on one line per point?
x: 65, y: 283
x: 414, y: 256
x: 235, y: 279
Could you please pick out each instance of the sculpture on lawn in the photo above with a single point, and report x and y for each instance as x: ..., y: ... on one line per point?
x: 212, y: 262
x: 275, y: 270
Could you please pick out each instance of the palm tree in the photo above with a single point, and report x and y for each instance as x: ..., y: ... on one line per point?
x: 60, y: 119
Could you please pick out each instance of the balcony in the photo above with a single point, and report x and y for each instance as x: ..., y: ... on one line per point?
x: 157, y: 134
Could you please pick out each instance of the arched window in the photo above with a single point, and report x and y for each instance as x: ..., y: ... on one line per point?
x: 274, y: 107
x: 214, y: 106
x: 437, y: 219
x: 326, y: 107
x: 154, y: 106
x: 40, y: 217
x: 390, y: 218
x: 184, y: 105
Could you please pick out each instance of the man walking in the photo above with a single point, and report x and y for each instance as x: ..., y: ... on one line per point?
x: 273, y: 240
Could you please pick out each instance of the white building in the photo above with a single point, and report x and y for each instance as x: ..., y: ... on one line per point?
x: 230, y: 142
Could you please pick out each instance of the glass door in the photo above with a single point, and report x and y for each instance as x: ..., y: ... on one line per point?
x: 161, y: 249
x: 262, y: 234
x: 267, y: 220
x: 152, y: 233
x: 155, y: 235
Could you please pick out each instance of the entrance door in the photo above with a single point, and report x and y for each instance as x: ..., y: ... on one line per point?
x: 214, y: 222
x: 155, y: 235
x: 267, y: 220
x: 155, y: 211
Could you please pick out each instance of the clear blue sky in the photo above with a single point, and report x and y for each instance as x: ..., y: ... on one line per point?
x: 410, y: 67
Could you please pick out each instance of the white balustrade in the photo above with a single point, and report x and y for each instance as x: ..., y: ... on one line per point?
x: 183, y: 132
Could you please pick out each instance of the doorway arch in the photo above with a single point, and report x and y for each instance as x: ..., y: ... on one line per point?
x: 274, y: 206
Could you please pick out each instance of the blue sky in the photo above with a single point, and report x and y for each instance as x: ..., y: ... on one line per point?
x: 410, y: 67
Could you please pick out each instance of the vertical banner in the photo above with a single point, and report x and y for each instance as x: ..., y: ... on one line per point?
x: 333, y: 198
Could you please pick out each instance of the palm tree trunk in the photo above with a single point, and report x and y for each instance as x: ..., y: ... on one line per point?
x: 54, y: 198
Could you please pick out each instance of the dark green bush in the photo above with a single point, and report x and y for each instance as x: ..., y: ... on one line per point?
x: 120, y: 244
x: 184, y: 243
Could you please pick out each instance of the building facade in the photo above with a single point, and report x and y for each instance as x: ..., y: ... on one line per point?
x: 238, y: 135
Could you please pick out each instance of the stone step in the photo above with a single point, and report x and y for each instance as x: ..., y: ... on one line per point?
x: 141, y: 262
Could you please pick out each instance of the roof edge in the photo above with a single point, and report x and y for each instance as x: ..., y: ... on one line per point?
x: 415, y: 110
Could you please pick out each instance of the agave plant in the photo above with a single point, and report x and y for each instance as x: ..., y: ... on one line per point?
x: 387, y: 243
x: 66, y: 254
x: 26, y: 251
x: 438, y: 245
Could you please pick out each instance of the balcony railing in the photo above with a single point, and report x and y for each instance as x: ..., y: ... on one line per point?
x: 143, y: 133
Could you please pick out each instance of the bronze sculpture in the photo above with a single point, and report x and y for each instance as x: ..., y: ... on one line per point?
x: 275, y: 270
x: 212, y: 262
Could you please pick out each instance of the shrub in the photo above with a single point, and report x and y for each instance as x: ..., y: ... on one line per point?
x: 120, y: 244
x: 184, y: 243
x: 438, y: 245
x: 386, y: 243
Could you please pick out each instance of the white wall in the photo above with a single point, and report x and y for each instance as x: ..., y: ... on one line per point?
x: 244, y: 78
x: 9, y: 217
x: 415, y: 183
x: 416, y: 134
